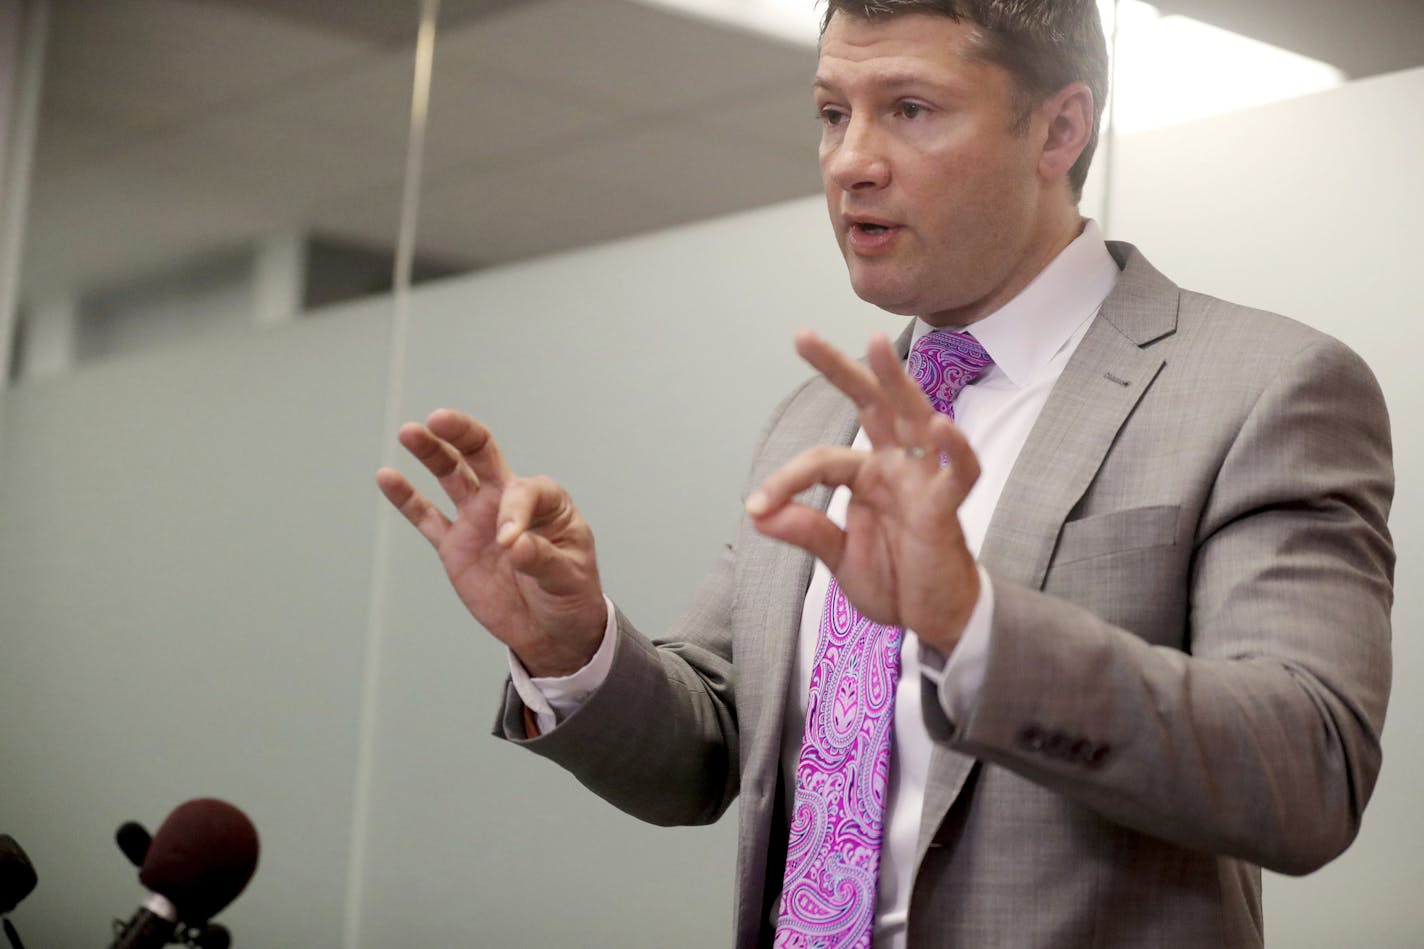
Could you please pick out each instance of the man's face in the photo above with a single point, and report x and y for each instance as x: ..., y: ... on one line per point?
x: 935, y: 198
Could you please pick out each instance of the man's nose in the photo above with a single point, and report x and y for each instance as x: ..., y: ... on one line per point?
x: 857, y: 161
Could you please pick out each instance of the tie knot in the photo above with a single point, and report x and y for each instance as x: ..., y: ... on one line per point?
x: 943, y: 363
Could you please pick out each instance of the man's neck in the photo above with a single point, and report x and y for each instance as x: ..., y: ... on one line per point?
x: 1041, y: 252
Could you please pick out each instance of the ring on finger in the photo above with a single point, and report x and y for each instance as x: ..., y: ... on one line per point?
x: 919, y: 453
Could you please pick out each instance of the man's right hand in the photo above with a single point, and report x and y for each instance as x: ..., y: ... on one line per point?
x: 517, y: 552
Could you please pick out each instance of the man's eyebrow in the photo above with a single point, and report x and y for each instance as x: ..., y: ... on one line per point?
x: 888, y: 80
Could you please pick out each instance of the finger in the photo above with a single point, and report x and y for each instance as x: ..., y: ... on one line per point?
x: 853, y: 379
x: 528, y: 504
x: 475, y: 442
x: 807, y: 528
x: 963, y: 464
x: 825, y: 464
x: 913, y: 411
x: 441, y: 459
x: 548, y: 563
x: 558, y: 559
x: 426, y: 517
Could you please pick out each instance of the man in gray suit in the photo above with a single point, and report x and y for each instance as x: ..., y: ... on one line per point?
x: 1144, y: 577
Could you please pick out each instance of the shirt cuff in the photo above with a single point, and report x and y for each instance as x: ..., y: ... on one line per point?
x: 960, y: 676
x: 554, y: 698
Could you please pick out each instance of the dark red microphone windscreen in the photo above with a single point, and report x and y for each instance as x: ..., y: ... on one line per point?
x: 201, y: 858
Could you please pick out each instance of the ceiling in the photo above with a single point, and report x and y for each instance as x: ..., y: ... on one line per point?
x: 170, y: 129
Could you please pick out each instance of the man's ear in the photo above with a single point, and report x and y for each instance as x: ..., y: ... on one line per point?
x: 1068, y: 118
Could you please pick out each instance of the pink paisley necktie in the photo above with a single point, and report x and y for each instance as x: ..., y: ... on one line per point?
x: 833, y: 858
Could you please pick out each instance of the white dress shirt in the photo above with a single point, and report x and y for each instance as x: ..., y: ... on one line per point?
x: 1030, y: 340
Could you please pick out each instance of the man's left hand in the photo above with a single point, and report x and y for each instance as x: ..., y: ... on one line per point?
x: 901, y: 558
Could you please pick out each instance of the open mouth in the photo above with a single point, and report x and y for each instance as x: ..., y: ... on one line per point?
x: 869, y: 233
x: 870, y: 236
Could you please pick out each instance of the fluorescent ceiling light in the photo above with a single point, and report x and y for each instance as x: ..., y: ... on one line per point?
x: 1170, y: 69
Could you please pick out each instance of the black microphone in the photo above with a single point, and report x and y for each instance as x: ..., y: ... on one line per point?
x: 134, y: 841
x: 17, y: 881
x: 197, y: 863
x: 17, y: 874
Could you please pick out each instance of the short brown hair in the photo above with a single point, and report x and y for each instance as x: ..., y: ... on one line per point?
x: 1044, y: 44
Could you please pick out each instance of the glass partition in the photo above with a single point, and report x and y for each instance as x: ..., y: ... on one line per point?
x: 205, y: 168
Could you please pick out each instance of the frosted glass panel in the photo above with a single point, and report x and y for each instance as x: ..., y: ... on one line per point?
x: 184, y: 554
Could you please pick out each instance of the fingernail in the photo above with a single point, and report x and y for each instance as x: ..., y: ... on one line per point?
x: 506, y: 532
x: 758, y: 503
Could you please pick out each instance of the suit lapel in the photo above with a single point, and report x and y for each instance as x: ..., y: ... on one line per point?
x: 826, y: 418
x: 1102, y: 382
x: 1097, y: 391
x: 765, y: 651
x: 1104, y: 379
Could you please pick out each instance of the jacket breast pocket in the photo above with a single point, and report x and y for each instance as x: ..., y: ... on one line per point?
x: 1116, y: 532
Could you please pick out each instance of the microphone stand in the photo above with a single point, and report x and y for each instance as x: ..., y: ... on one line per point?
x: 207, y: 936
x: 13, y: 936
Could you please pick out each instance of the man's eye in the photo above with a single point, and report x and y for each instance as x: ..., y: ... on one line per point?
x: 830, y: 116
x: 911, y: 110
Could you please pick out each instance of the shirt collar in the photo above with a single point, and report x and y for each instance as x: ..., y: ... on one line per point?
x: 1024, y: 334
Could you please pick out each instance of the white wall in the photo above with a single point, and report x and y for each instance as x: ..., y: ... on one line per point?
x: 185, y: 552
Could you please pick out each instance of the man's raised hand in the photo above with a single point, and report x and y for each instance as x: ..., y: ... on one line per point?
x: 901, y: 557
x: 517, y: 551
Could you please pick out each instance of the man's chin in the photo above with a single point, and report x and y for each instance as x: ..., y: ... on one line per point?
x: 888, y: 298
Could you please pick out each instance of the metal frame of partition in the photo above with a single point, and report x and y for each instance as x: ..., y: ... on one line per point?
x: 24, y: 25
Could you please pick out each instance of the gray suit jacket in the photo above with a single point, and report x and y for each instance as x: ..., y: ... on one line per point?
x: 1189, y: 662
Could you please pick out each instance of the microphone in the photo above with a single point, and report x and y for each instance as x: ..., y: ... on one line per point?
x: 17, y: 881
x: 17, y: 874
x: 197, y: 863
x: 134, y: 841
